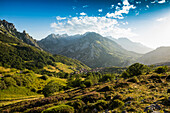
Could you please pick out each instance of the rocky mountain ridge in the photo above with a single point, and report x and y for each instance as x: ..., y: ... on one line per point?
x: 10, y: 30
x: 91, y: 48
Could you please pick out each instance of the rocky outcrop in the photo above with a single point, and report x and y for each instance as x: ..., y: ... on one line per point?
x: 9, y: 29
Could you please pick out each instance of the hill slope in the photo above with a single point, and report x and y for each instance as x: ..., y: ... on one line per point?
x: 16, y: 53
x: 91, y: 49
x: 131, y: 46
x: 139, y: 94
x: 159, y: 55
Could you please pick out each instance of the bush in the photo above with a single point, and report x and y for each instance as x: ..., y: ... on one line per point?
x: 59, y: 109
x: 116, y: 103
x: 135, y: 70
x: 133, y: 79
x: 44, y: 77
x: 101, y: 105
x: 107, y: 77
x: 161, y: 69
x: 50, y: 88
x: 78, y: 104
x: 88, y: 83
x: 9, y: 81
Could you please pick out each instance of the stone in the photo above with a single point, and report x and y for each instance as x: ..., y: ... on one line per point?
x: 129, y: 98
x: 124, y: 111
x: 128, y: 103
x: 152, y: 107
x: 156, y: 112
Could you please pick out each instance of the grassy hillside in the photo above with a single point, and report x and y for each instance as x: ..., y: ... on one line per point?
x: 16, y: 85
x: 16, y: 54
x: 145, y: 92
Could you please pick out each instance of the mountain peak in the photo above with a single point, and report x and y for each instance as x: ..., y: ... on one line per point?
x: 8, y: 26
x: 91, y: 33
x: 9, y: 29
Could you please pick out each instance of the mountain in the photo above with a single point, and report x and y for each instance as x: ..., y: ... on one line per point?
x: 159, y: 55
x: 10, y: 30
x: 90, y: 48
x: 55, y: 43
x: 131, y: 46
x: 19, y: 50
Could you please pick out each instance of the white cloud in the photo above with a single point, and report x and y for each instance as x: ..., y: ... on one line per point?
x: 112, y: 6
x: 147, y: 6
x: 83, y: 14
x: 60, y: 18
x: 100, y: 10
x: 85, y: 6
x: 119, y: 4
x: 124, y: 10
x: 102, y: 25
x: 125, y: 2
x: 162, y: 1
x: 161, y: 19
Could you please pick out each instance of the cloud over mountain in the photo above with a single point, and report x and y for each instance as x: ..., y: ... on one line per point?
x: 103, y: 25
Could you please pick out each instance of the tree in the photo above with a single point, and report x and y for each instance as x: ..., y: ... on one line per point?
x: 161, y: 69
x: 135, y: 70
x: 50, y: 88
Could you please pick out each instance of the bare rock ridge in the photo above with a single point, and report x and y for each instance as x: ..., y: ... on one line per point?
x: 9, y: 29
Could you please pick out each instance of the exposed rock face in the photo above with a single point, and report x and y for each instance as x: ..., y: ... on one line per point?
x: 9, y: 29
x: 90, y: 48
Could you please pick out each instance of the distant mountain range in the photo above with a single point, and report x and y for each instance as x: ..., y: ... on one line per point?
x: 19, y: 50
x: 160, y: 55
x: 90, y: 48
x: 131, y: 46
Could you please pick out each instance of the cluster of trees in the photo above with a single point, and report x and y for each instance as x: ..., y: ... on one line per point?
x: 139, y: 69
x: 77, y: 80
x: 90, y: 79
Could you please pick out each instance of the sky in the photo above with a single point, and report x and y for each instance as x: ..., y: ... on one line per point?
x: 144, y: 21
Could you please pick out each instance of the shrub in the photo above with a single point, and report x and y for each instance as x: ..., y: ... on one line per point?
x: 135, y: 70
x: 60, y: 109
x: 2, y: 85
x: 161, y: 69
x: 107, y: 77
x: 50, y: 88
x: 9, y: 81
x: 116, y: 103
x: 101, y: 105
x: 133, y: 79
x: 78, y: 104
x: 88, y: 83
x: 44, y: 77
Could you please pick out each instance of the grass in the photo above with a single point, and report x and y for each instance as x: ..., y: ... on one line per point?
x: 4, y: 70
x: 62, y: 82
x: 65, y: 68
x: 19, y: 99
x: 15, y: 92
x: 59, y: 67
x: 51, y: 69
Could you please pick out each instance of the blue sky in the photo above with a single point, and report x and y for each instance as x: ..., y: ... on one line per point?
x: 144, y: 21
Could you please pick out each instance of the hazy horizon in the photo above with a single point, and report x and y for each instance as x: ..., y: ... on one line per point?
x: 143, y: 21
